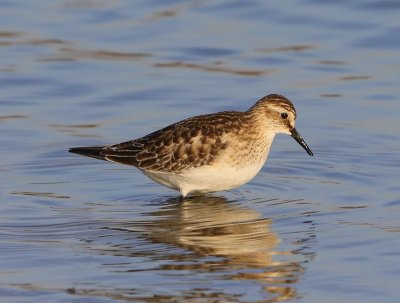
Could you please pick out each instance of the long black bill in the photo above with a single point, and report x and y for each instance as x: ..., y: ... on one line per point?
x: 295, y: 135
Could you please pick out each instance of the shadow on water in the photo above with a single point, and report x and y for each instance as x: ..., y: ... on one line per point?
x: 208, y: 236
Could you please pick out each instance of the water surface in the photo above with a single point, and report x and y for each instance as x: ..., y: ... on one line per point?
x: 320, y: 229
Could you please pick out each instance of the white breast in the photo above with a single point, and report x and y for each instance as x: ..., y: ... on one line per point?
x: 235, y: 166
x: 222, y: 175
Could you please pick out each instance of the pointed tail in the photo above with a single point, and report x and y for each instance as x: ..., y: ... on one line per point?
x: 90, y: 151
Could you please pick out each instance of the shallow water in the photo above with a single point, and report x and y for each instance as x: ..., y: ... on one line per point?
x: 320, y: 229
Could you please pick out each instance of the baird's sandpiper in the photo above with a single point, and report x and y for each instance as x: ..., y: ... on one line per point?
x: 207, y: 153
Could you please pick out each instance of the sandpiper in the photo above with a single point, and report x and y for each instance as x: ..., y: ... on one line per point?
x: 207, y: 153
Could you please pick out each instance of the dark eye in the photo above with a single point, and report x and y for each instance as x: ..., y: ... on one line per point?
x: 284, y: 115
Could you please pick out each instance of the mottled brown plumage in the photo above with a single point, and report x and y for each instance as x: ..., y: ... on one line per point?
x: 241, y: 139
x: 190, y: 143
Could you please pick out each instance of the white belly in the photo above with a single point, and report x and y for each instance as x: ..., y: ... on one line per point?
x: 233, y: 168
x: 207, y: 178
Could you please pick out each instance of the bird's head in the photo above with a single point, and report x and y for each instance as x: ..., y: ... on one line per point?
x: 279, y: 115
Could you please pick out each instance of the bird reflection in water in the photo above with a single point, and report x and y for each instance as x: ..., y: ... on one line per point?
x: 241, y: 240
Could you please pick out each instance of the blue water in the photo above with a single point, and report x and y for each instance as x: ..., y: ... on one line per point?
x: 320, y: 229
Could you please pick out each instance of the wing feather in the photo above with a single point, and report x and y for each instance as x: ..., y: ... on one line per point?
x: 192, y: 142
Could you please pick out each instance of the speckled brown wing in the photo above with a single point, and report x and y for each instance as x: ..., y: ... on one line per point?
x: 189, y: 143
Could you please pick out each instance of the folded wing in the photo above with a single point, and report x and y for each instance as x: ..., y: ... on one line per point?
x: 192, y: 142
